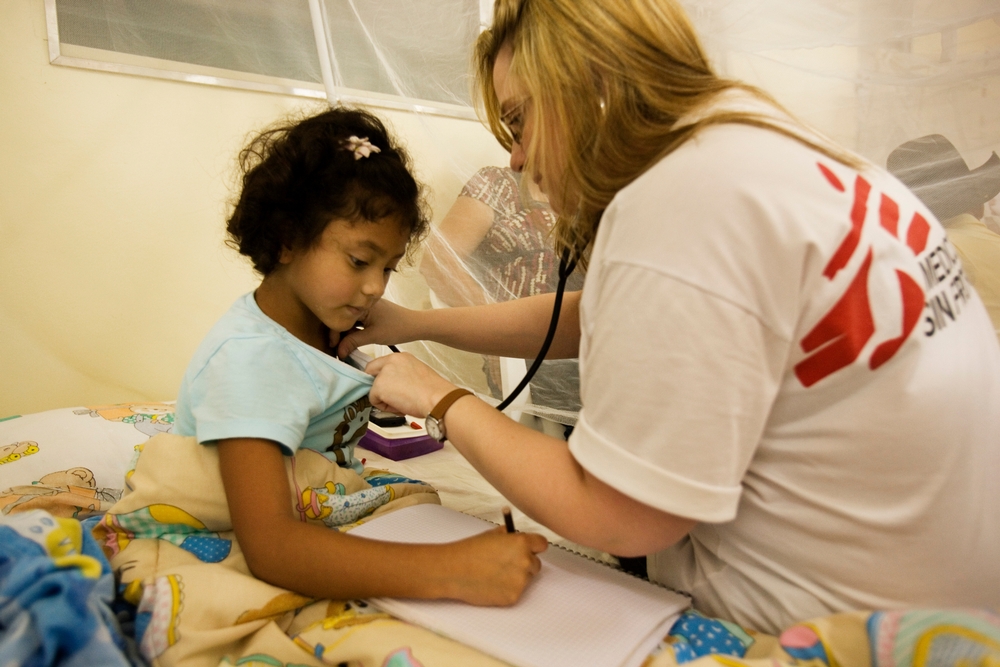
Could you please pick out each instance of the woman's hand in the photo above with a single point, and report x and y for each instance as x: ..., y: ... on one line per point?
x: 405, y: 385
x: 493, y: 568
x: 385, y: 324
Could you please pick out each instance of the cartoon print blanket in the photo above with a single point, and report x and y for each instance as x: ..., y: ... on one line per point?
x: 905, y: 638
x: 54, y: 594
x: 56, y: 586
x: 170, y: 542
x: 171, y: 546
x: 71, y: 462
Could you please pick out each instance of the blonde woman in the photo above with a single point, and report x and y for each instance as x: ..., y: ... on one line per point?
x: 768, y: 413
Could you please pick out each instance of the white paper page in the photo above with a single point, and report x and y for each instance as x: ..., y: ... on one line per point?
x: 575, y: 612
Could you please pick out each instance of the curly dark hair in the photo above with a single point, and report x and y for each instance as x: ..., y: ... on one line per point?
x: 298, y: 175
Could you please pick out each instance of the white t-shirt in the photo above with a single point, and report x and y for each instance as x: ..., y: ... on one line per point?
x: 788, y: 352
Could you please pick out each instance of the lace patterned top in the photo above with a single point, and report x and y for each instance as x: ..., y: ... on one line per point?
x: 516, y: 259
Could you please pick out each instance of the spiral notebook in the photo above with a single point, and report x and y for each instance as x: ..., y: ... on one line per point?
x: 576, y: 611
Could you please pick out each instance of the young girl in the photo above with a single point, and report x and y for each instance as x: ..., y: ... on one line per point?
x: 327, y: 209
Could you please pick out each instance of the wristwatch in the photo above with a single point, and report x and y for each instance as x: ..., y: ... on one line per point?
x: 435, y: 420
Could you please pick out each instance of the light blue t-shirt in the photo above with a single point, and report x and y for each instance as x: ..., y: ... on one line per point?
x: 251, y: 378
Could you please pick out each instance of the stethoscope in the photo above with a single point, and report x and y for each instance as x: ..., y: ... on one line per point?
x: 566, y: 267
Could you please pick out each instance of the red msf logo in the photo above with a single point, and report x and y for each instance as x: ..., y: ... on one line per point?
x: 837, y: 340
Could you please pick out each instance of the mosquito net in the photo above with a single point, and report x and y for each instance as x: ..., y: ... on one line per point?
x: 913, y: 85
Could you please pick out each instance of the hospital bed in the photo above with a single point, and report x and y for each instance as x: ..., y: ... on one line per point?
x: 72, y: 464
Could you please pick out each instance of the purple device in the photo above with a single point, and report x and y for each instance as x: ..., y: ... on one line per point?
x: 398, y: 449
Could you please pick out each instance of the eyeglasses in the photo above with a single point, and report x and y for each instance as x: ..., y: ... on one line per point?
x: 513, y: 120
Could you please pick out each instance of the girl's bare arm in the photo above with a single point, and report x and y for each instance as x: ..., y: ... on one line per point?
x: 490, y: 569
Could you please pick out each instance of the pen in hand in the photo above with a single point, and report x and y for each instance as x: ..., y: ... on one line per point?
x: 508, y: 520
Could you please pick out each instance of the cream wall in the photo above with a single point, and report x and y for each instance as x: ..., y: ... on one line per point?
x: 113, y: 193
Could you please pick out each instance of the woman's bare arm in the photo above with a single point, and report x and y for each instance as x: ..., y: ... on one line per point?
x: 488, y: 569
x: 509, y: 329
x: 534, y: 471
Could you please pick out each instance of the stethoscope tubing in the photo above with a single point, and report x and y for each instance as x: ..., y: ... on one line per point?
x: 565, y: 268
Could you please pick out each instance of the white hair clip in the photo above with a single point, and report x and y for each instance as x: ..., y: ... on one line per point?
x: 361, y: 147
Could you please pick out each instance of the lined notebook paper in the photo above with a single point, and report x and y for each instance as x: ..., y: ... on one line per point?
x: 575, y: 612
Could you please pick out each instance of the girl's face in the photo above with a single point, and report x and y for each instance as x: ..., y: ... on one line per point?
x: 333, y: 283
x: 515, y: 110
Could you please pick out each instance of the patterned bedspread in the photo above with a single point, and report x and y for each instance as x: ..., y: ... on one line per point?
x: 169, y: 543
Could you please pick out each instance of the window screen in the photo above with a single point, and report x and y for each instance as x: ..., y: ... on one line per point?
x: 396, y: 53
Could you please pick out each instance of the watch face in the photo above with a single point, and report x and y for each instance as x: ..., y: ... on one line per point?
x: 434, y: 428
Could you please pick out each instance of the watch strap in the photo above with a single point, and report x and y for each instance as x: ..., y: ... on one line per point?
x: 445, y: 403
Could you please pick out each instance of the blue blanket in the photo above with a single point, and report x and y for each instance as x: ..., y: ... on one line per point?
x: 56, y: 588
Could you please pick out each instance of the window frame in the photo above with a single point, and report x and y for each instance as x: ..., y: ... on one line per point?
x: 71, y: 55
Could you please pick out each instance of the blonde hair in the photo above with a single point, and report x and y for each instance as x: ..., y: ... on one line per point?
x: 611, y: 78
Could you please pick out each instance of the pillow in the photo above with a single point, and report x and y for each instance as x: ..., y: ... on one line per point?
x: 72, y: 461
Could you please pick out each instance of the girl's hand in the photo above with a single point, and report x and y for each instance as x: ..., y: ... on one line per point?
x: 494, y: 568
x: 385, y: 324
x: 405, y: 385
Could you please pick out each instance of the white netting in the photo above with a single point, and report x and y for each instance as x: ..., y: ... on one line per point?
x: 916, y: 80
x: 874, y: 75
